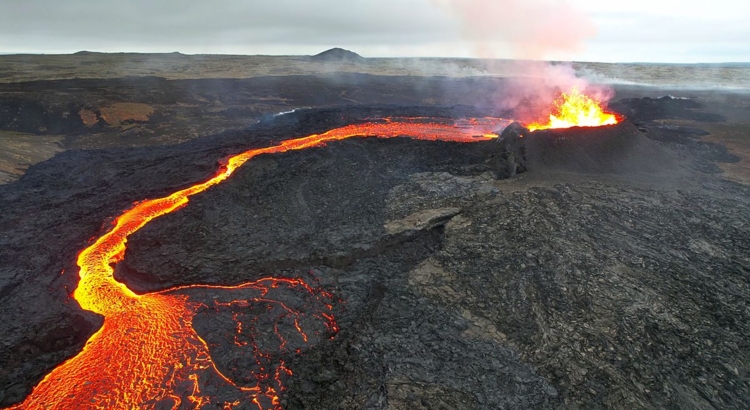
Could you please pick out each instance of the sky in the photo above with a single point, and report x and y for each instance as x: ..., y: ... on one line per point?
x: 684, y: 31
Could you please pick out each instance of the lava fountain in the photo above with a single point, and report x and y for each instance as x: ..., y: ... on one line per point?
x: 574, y: 109
x: 147, y: 354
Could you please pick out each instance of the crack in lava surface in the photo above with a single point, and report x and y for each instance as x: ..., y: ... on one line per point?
x: 147, y: 354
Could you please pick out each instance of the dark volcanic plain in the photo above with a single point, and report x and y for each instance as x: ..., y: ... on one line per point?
x: 612, y: 274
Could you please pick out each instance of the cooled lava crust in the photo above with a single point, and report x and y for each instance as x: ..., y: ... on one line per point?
x: 457, y: 290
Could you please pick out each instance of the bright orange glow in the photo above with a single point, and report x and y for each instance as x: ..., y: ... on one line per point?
x: 147, y: 354
x: 574, y: 109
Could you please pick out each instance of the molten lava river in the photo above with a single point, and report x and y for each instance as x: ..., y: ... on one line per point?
x: 148, y: 354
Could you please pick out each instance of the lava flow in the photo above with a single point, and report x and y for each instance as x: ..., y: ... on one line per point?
x: 574, y: 109
x: 148, y: 354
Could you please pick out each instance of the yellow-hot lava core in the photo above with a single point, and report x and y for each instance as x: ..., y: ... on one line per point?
x: 574, y: 109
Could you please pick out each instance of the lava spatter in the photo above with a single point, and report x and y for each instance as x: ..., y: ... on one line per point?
x: 575, y: 109
x: 148, y: 353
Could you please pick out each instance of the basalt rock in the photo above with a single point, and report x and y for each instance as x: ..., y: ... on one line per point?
x: 457, y: 290
x: 614, y: 149
x: 509, y: 157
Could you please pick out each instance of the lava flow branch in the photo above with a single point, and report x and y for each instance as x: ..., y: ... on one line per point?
x: 148, y: 354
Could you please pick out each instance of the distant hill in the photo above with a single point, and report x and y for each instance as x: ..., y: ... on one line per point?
x: 338, y: 54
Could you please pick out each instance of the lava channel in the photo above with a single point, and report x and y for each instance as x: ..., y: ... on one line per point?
x: 147, y: 354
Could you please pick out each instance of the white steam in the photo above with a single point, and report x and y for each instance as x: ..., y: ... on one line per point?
x: 530, y: 31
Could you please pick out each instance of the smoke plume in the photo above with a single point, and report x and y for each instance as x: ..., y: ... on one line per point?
x: 530, y: 31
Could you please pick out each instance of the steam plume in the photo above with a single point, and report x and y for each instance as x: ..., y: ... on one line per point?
x: 529, y: 31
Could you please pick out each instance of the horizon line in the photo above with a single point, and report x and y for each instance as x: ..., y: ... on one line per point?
x: 84, y: 52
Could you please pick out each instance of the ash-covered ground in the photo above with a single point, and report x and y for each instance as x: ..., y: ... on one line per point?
x: 581, y: 283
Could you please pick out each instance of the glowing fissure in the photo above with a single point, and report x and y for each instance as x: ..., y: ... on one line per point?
x: 574, y: 109
x: 148, y: 354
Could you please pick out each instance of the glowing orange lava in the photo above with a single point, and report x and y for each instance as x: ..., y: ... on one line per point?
x: 148, y: 354
x: 574, y: 109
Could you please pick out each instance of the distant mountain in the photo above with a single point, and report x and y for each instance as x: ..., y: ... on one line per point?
x: 338, y: 54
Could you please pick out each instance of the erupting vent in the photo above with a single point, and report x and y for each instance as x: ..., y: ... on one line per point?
x: 574, y: 109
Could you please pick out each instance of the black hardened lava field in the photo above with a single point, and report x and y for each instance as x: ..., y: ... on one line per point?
x: 603, y: 267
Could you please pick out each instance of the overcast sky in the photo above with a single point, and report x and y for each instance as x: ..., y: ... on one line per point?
x: 625, y: 30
